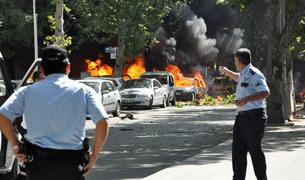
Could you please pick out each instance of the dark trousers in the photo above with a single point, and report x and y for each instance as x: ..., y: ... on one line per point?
x: 248, y: 133
x: 53, y: 168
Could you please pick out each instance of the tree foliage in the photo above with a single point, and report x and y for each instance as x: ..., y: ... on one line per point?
x: 133, y: 22
x: 15, y: 26
x: 295, y: 21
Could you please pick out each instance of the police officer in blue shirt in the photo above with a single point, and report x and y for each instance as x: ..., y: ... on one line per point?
x: 55, y: 111
x: 250, y: 121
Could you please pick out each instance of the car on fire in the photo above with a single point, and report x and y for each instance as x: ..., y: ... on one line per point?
x: 194, y: 91
x: 143, y: 92
x: 167, y: 81
x: 107, y: 92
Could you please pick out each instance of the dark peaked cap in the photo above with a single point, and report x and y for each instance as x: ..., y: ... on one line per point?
x: 54, y: 53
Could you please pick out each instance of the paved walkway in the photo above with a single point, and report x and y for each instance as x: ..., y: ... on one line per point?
x: 285, y: 153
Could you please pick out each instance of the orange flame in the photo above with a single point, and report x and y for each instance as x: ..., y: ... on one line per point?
x: 198, y: 75
x: 178, y: 76
x: 97, y: 68
x: 219, y: 98
x: 136, y: 67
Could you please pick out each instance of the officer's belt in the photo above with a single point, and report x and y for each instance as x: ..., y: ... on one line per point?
x: 252, y: 111
x: 48, y: 152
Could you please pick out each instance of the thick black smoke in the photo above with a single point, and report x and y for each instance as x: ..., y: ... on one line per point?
x: 188, y: 40
x: 193, y: 46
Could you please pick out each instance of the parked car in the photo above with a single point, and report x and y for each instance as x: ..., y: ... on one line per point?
x: 143, y: 92
x: 118, y: 81
x: 9, y: 166
x: 221, y: 86
x: 15, y: 84
x: 167, y: 81
x: 109, y: 95
x: 196, y: 91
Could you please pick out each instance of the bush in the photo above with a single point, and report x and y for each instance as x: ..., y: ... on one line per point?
x: 229, y: 99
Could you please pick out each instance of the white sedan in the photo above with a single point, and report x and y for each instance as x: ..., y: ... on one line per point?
x: 143, y: 92
x: 108, y: 94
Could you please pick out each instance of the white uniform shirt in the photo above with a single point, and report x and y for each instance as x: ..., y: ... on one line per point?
x: 250, y: 81
x: 55, y: 111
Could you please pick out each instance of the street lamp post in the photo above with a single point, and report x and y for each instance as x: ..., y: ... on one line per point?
x: 35, y: 31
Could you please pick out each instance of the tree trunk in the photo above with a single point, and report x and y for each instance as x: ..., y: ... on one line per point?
x: 290, y: 88
x: 59, y: 29
x: 276, y: 66
x: 275, y: 78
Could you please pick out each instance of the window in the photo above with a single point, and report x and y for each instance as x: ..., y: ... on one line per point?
x: 114, y: 82
x: 157, y: 84
x: 104, y: 86
x: 110, y: 87
x: 2, y: 86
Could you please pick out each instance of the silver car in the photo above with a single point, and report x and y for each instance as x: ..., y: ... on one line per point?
x: 108, y: 94
x: 167, y: 81
x: 143, y: 92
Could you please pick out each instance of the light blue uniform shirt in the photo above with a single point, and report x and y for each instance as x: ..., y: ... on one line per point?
x: 55, y: 111
x: 250, y: 81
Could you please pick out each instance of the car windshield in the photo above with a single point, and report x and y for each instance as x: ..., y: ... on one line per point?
x: 161, y: 78
x: 93, y: 85
x: 137, y: 83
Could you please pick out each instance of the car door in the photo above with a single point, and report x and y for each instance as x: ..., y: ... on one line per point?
x: 6, y: 89
x: 112, y: 95
x: 158, y: 92
x: 106, y: 96
x: 171, y: 86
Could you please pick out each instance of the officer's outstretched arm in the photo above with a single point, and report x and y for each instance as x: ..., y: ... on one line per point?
x: 101, y: 133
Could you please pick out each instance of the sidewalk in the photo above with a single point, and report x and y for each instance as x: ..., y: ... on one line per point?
x: 284, y: 147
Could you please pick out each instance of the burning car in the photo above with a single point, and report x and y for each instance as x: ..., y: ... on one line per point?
x: 144, y: 92
x: 108, y: 94
x: 195, y: 90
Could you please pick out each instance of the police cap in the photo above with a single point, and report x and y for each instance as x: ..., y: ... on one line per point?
x: 54, y: 53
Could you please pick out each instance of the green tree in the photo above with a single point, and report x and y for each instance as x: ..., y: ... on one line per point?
x: 285, y: 20
x: 131, y: 24
x: 15, y: 26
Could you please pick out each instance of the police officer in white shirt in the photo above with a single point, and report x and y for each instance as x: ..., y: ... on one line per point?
x: 55, y: 111
x: 250, y: 121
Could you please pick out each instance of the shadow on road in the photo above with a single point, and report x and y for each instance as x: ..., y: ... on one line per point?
x: 136, y: 150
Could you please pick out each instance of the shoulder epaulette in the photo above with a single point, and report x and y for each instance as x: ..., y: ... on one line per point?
x: 251, y: 72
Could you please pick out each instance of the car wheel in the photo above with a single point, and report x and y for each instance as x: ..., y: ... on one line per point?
x: 167, y: 101
x: 117, y: 111
x: 151, y: 102
x: 164, y: 102
x: 13, y: 174
x: 173, y: 102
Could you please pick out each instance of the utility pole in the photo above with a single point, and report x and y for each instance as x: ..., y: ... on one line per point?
x: 35, y: 31
x: 59, y: 29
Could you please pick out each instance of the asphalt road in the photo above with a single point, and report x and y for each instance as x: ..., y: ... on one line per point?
x: 159, y: 138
